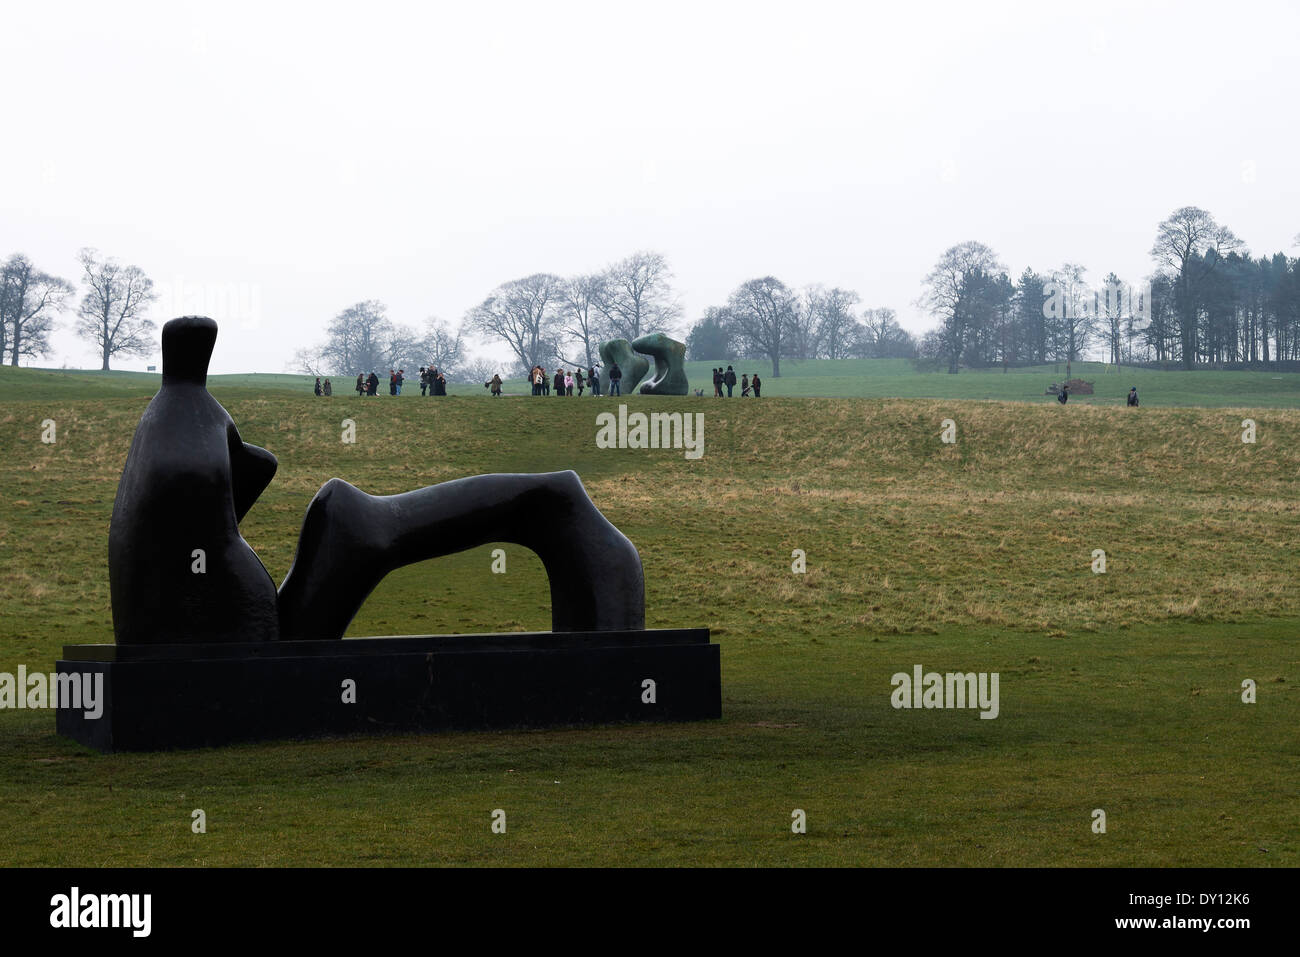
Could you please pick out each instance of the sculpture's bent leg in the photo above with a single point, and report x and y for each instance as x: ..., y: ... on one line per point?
x: 351, y: 540
x: 633, y: 366
x: 670, y: 364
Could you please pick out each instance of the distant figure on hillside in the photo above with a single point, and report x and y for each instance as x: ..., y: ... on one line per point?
x: 594, y: 378
x: 717, y: 383
x: 424, y: 379
x: 318, y: 385
x: 615, y: 377
x: 535, y: 377
x: 559, y: 382
x: 373, y: 384
x: 327, y: 388
x: 757, y: 386
x: 568, y: 383
x: 495, y: 384
x: 744, y: 385
x: 361, y: 383
x: 1133, y: 396
x: 729, y: 379
x: 578, y: 381
x: 1064, y: 395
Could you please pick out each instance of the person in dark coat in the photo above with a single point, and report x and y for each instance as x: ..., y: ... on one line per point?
x: 439, y: 382
x: 318, y: 385
x: 1133, y: 396
x: 1064, y: 395
x: 729, y: 379
x: 578, y: 381
x: 615, y: 377
x: 756, y: 386
x: 495, y: 384
x: 424, y: 380
x: 744, y: 385
x: 327, y: 388
x: 559, y: 382
x: 594, y: 378
x: 373, y: 383
x: 361, y: 383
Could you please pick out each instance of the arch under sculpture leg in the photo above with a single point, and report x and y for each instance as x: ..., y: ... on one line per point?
x: 351, y: 540
x: 633, y: 366
x: 670, y: 364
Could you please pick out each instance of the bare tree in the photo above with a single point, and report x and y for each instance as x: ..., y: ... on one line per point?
x: 637, y: 298
x: 442, y: 347
x: 832, y: 313
x: 879, y: 336
x: 580, y: 316
x: 359, y: 339
x: 522, y: 314
x: 1110, y: 316
x: 309, y: 361
x: 477, y: 370
x: 1071, y: 312
x: 801, y: 335
x: 112, y: 310
x: 954, y: 293
x: 762, y: 312
x: 1190, y: 245
x: 29, y: 300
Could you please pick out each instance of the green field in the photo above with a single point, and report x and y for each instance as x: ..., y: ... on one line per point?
x: 1119, y: 691
x: 821, y: 378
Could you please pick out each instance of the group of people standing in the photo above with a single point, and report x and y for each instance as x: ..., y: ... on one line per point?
x: 432, y: 382
x: 563, y: 383
x: 727, y: 380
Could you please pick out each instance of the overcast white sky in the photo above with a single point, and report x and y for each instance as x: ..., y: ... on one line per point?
x: 297, y: 158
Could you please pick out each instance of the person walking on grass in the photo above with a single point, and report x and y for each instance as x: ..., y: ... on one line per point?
x: 756, y: 386
x: 744, y: 385
x: 1133, y: 396
x: 717, y: 383
x: 615, y: 377
x: 327, y: 388
x: 578, y: 381
x: 594, y: 378
x: 495, y: 384
x: 1064, y: 395
x: 568, y: 383
x: 361, y: 384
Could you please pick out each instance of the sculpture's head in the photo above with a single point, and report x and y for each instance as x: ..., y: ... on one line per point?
x: 186, y: 349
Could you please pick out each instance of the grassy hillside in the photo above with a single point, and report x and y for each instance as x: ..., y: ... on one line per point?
x: 1119, y: 690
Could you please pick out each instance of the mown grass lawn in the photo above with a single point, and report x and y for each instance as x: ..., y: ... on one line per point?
x: 1119, y: 691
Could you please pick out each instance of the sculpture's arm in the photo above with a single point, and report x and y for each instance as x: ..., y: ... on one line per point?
x: 251, y: 471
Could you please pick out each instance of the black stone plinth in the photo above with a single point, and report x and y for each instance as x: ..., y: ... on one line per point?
x: 158, y: 697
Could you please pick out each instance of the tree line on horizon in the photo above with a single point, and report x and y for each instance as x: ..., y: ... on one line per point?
x: 1208, y: 302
